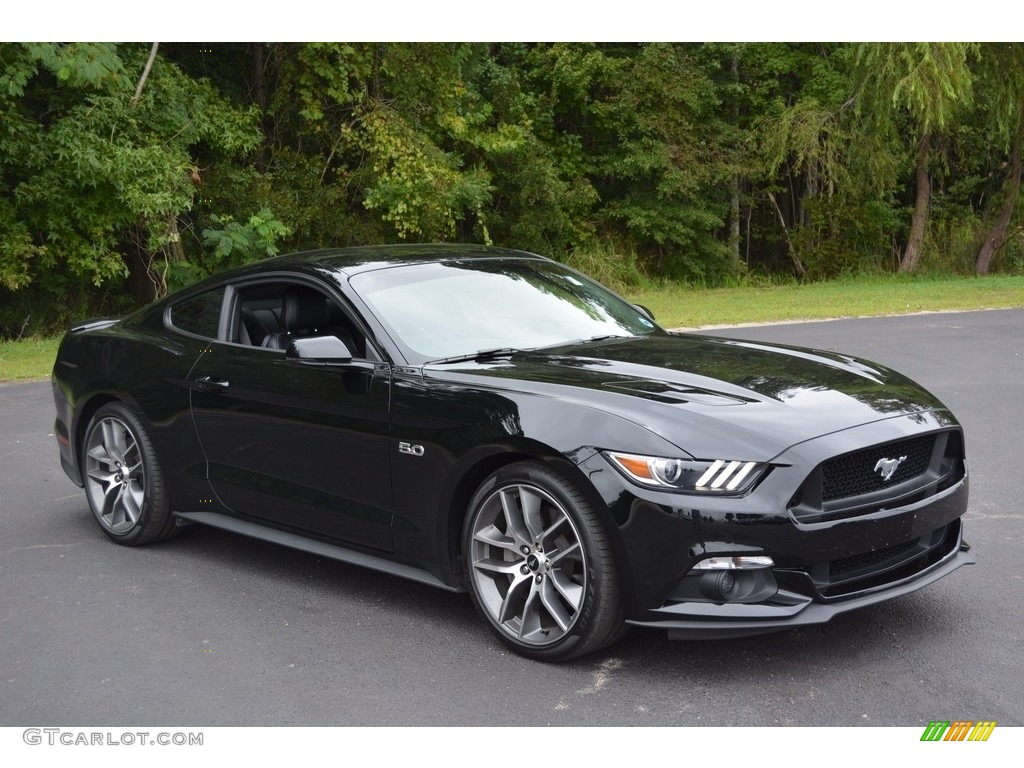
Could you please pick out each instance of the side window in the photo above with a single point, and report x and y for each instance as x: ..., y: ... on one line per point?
x: 271, y: 314
x: 199, y: 314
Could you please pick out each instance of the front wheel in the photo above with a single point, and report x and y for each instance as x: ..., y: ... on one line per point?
x: 540, y: 566
x: 123, y: 480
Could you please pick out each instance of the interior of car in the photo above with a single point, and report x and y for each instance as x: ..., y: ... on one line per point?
x: 271, y: 315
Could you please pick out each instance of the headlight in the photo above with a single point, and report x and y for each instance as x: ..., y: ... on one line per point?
x: 719, y: 476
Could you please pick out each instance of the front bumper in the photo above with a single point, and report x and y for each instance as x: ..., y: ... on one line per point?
x: 787, y: 609
x: 822, y: 567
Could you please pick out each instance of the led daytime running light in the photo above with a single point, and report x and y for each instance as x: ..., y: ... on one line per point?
x: 716, y: 476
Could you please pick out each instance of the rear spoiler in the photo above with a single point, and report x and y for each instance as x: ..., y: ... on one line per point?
x: 93, y: 324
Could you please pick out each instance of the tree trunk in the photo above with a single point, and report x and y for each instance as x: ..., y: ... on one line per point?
x: 734, y: 223
x: 138, y: 259
x: 259, y: 89
x: 797, y: 264
x: 998, y: 234
x: 734, y: 210
x: 912, y: 255
x: 145, y: 74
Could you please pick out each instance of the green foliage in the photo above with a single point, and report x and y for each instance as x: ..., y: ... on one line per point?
x: 236, y: 244
x: 933, y: 82
x: 670, y: 167
x: 419, y: 188
x: 94, y: 184
x: 619, y: 271
x: 711, y: 163
x: 228, y: 244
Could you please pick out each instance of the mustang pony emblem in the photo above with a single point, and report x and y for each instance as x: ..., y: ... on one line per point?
x: 888, y: 467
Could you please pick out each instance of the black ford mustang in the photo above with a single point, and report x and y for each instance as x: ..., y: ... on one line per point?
x: 488, y: 420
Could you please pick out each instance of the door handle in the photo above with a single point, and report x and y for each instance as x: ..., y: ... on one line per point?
x: 212, y: 383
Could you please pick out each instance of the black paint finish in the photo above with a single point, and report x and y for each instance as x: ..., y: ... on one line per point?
x: 381, y: 453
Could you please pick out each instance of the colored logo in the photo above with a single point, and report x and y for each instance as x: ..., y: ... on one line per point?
x: 958, y: 730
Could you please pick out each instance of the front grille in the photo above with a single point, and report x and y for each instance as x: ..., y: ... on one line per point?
x: 854, y: 474
x: 851, y: 485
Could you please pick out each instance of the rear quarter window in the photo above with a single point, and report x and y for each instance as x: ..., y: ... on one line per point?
x: 199, y: 314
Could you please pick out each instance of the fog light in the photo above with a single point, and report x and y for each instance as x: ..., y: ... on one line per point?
x: 734, y: 563
x: 726, y: 584
x: 735, y: 578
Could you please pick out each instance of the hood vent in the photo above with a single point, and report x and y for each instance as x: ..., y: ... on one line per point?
x: 667, y: 392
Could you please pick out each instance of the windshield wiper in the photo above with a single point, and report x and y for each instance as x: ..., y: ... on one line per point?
x: 603, y: 337
x: 480, y: 356
x: 589, y: 340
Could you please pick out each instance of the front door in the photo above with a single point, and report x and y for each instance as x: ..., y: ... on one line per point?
x: 299, y: 445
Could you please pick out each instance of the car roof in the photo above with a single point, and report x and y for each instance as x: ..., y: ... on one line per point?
x: 364, y: 258
x: 348, y: 262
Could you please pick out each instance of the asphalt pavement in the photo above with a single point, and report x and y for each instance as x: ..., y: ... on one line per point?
x: 215, y: 629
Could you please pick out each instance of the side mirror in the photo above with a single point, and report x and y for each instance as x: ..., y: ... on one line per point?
x: 319, y: 349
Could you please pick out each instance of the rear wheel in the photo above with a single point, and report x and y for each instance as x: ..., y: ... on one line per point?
x: 123, y: 480
x: 540, y: 566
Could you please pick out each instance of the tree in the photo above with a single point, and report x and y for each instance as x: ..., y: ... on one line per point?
x: 96, y: 170
x: 1002, y: 86
x: 803, y: 143
x: 928, y: 84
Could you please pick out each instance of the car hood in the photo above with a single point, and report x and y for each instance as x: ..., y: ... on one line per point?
x: 704, y: 393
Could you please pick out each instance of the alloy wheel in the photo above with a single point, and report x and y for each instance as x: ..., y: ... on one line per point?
x: 528, y: 564
x: 115, y: 475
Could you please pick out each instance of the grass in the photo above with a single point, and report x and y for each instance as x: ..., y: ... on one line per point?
x: 27, y: 359
x: 678, y: 306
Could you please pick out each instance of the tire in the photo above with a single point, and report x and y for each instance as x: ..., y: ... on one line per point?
x: 123, y: 480
x: 539, y: 565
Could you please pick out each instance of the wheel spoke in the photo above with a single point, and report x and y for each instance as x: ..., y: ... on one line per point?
x: 490, y: 565
x: 569, y: 589
x: 102, y: 477
x: 495, y: 538
x: 99, y: 453
x: 531, y: 623
x: 531, y: 504
x: 111, y: 499
x: 111, y: 441
x: 572, y: 552
x: 512, y: 605
x: 561, y: 520
x: 131, y: 454
x: 510, y: 505
x: 549, y: 597
x: 131, y: 500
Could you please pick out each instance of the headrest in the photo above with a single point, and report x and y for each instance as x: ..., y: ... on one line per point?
x: 303, y: 309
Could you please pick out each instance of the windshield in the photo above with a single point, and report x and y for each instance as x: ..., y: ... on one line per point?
x: 439, y: 310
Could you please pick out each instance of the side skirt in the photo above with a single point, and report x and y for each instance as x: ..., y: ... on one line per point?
x: 332, y: 551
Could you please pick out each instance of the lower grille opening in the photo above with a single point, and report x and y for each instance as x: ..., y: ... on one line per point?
x: 837, y: 569
x: 876, y: 569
